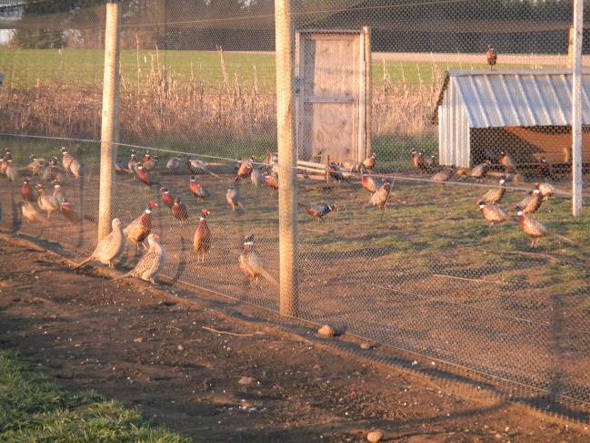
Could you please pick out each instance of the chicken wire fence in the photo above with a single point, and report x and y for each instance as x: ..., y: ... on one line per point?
x: 420, y: 266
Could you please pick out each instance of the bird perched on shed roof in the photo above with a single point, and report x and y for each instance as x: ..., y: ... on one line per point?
x: 491, y: 56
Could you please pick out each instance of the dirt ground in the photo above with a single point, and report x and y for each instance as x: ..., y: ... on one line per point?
x: 217, y: 371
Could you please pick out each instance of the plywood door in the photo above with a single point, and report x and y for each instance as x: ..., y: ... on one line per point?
x: 331, y: 95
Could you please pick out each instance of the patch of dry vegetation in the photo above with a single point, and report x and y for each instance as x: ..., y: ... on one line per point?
x: 159, y: 106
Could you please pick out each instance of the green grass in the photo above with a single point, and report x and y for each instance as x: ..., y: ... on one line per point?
x: 34, y: 410
x: 28, y: 68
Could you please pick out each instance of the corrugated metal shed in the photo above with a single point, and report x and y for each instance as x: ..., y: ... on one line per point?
x: 499, y: 99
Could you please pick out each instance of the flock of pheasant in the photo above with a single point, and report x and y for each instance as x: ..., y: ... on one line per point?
x: 36, y: 201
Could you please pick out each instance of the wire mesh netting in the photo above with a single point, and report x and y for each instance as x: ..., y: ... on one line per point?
x: 454, y: 243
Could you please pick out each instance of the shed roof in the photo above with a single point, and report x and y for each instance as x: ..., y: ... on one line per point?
x: 495, y: 99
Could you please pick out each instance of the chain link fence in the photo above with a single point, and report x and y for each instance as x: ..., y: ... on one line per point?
x: 427, y: 269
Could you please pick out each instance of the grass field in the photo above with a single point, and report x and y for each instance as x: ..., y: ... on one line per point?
x: 28, y: 68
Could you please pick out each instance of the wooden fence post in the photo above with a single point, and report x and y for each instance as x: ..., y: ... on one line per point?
x: 110, y: 113
x: 287, y: 161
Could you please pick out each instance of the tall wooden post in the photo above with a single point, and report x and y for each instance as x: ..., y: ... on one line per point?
x: 287, y: 160
x: 577, y: 175
x: 110, y: 114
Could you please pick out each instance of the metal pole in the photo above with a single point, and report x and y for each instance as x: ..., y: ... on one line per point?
x: 110, y: 104
x: 287, y: 161
x: 577, y: 110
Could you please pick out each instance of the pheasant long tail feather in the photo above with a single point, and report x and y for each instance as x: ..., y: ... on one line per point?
x: 565, y: 239
x: 269, y: 277
x: 121, y: 277
x: 82, y: 263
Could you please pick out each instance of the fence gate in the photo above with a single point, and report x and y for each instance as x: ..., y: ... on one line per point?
x: 332, y: 72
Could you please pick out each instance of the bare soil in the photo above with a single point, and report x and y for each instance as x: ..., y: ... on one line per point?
x: 218, y: 371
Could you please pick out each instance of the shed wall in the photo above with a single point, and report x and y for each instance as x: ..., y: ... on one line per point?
x: 454, y: 135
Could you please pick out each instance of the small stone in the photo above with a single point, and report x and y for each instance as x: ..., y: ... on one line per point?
x: 366, y: 346
x: 374, y: 436
x: 246, y: 381
x: 326, y: 331
x: 180, y: 348
x: 138, y: 340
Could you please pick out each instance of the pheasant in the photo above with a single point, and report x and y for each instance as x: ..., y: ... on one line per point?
x: 547, y: 190
x: 252, y: 265
x: 320, y: 210
x: 150, y: 162
x: 137, y: 231
x: 491, y: 56
x: 353, y: 167
x: 47, y: 203
x: 425, y: 164
x: 31, y: 215
x: 202, y: 237
x: 339, y: 172
x: 109, y: 248
x: 232, y: 196
x: 68, y: 212
x: 506, y: 162
x: 531, y: 203
x: 444, y: 175
x: 429, y: 163
x: 132, y: 163
x: 53, y: 172
x: 36, y: 165
x: 58, y: 193
x: 146, y: 157
x: 144, y: 176
x: 370, y: 183
x: 150, y: 263
x: 197, y: 189
x: 197, y: 166
x: 173, y: 164
x: 167, y: 197
x: 492, y: 213
x: 27, y: 191
x: 535, y: 229
x: 244, y: 170
x: 271, y: 181
x: 417, y: 159
x: 479, y: 171
x: 494, y: 195
x: 11, y: 171
x: 7, y: 156
x: 379, y: 198
x: 179, y: 210
x: 71, y: 164
x: 256, y: 177
x: 545, y: 168
x: 368, y: 163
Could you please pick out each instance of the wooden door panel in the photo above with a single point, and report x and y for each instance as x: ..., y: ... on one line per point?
x: 330, y: 82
